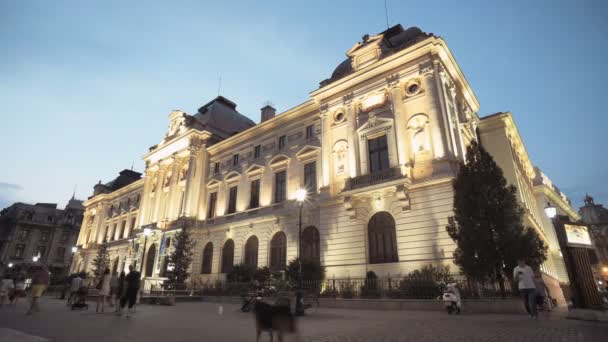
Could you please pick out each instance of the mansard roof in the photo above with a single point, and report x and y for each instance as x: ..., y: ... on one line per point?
x: 125, y: 177
x: 393, y: 40
x: 221, y: 117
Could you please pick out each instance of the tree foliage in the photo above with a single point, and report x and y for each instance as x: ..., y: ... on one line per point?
x: 487, y: 224
x: 312, y: 271
x: 180, y: 259
x: 102, y: 259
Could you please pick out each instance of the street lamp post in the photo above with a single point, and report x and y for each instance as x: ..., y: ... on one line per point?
x: 147, y: 232
x: 300, y: 198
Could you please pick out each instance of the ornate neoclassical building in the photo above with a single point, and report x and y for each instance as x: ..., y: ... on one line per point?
x: 377, y: 147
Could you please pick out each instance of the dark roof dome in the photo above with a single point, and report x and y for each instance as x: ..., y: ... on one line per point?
x: 394, y: 40
x: 221, y: 117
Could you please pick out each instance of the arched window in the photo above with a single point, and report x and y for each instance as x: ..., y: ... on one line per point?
x: 382, y: 239
x: 311, y: 244
x: 207, y: 258
x: 150, y: 256
x: 251, y: 251
x: 278, y: 251
x: 227, y: 256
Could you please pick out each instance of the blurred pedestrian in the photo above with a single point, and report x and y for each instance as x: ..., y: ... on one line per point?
x: 132, y: 287
x: 120, y: 292
x: 524, y: 276
x: 7, y: 287
x: 74, y: 287
x: 543, y: 299
x: 104, y: 290
x: 40, y: 281
x: 113, y: 288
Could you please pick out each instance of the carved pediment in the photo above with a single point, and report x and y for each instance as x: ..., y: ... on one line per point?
x: 308, y: 152
x: 232, y: 176
x: 278, y: 161
x: 255, y: 169
x: 213, y: 182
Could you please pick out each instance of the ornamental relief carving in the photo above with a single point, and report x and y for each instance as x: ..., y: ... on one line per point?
x: 340, y: 157
x: 418, y: 128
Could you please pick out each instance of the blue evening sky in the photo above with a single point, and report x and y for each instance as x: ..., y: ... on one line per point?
x: 87, y: 86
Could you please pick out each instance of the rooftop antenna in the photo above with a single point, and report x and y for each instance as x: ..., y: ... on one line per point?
x: 386, y: 14
x: 74, y: 193
x: 132, y: 163
x: 219, y: 86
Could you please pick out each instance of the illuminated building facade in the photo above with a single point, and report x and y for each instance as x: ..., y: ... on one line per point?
x: 377, y: 146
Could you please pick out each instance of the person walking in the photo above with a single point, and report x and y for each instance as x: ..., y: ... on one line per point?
x: 524, y: 276
x: 543, y: 296
x: 74, y: 287
x: 132, y: 281
x: 7, y: 286
x: 104, y: 290
x: 40, y: 281
x: 113, y: 289
x: 120, y: 292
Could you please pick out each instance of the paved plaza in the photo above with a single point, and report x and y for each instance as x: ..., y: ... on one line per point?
x: 188, y: 322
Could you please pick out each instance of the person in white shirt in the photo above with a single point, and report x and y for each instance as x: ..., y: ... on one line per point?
x: 524, y: 276
x: 74, y: 286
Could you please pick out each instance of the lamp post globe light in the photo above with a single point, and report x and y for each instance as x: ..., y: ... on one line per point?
x: 300, y: 198
x: 550, y: 211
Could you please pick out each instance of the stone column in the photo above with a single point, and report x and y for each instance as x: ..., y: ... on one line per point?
x: 401, y: 135
x: 192, y: 169
x: 172, y: 201
x: 157, y: 196
x: 144, y: 201
x: 437, y: 124
x: 354, y: 168
x: 325, y: 146
x: 456, y: 123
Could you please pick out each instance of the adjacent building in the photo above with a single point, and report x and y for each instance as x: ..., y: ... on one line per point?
x: 376, y: 147
x: 596, y: 216
x: 39, y: 233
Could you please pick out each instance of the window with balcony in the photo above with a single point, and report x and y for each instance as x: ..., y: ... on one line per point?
x: 280, y: 186
x: 232, y: 200
x: 254, y: 200
x: 211, y: 205
x: 378, y: 154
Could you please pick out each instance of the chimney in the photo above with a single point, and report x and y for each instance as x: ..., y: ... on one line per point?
x: 268, y: 112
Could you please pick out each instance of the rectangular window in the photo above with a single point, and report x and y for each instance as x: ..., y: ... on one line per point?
x: 65, y: 236
x: 232, y: 200
x: 19, y: 249
x: 122, y: 229
x: 235, y: 160
x: 378, y: 154
x: 310, y: 131
x: 216, y: 167
x: 60, y: 254
x: 254, y: 201
x: 282, y: 139
x: 280, y: 186
x: 310, y: 177
x: 40, y: 251
x: 257, y: 151
x: 24, y: 234
x: 44, y: 237
x: 211, y: 205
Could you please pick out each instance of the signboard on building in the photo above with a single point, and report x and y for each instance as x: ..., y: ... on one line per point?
x: 578, y: 236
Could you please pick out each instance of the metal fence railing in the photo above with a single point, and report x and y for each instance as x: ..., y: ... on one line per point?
x: 408, y: 287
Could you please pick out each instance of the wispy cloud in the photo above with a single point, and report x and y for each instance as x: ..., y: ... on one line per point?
x: 8, y: 193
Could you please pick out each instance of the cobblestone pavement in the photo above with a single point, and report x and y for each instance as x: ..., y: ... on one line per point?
x: 189, y: 322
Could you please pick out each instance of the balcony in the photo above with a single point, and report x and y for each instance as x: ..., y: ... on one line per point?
x: 373, y: 178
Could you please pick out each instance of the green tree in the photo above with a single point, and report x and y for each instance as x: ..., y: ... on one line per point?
x: 180, y: 259
x: 102, y: 259
x: 487, y: 223
x: 313, y: 273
